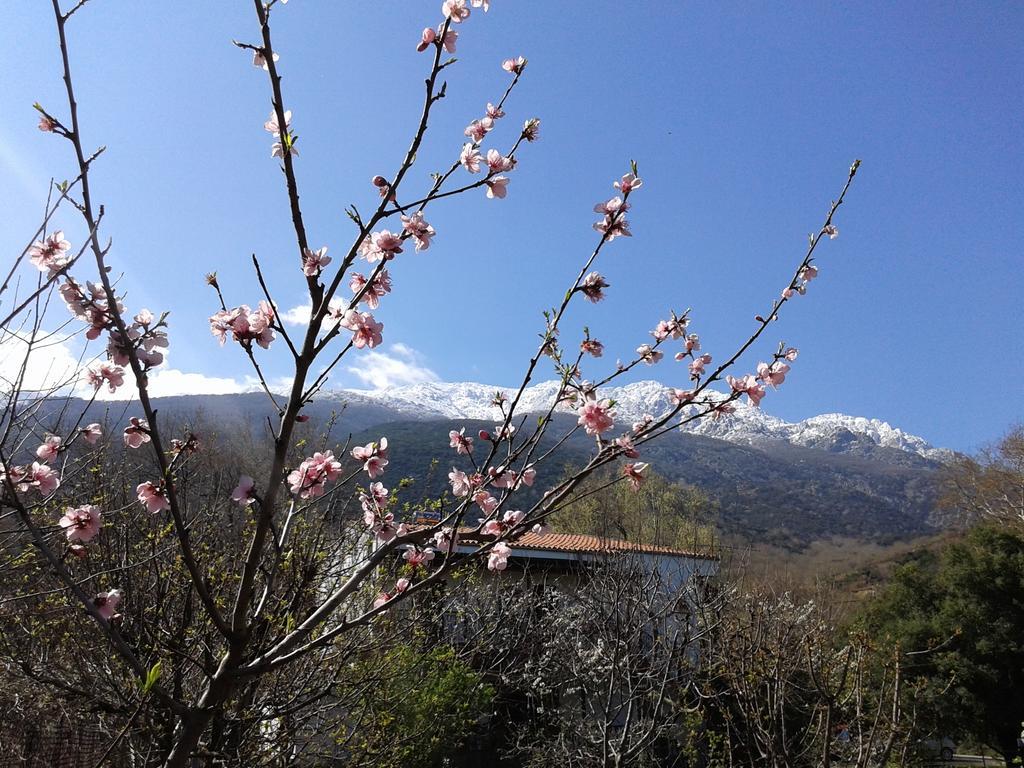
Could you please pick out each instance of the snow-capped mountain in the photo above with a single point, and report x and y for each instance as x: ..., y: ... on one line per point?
x: 748, y: 425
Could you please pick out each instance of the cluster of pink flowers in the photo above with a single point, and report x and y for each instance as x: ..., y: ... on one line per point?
x: 613, y: 222
x: 649, y: 354
x: 697, y: 365
x: 38, y: 477
x: 136, y: 433
x: 380, y: 286
x: 457, y: 11
x: 281, y: 138
x: 385, y: 597
x: 807, y: 274
x: 50, y: 448
x: 143, y: 337
x: 107, y: 372
x: 463, y: 484
x: 509, y: 520
x: 245, y: 325
x: 747, y: 385
x: 596, y: 417
x: 431, y: 36
x: 81, y: 524
x: 380, y: 246
x: 514, y: 66
x: 418, y: 229
x: 592, y: 347
x: 91, y: 433
x: 152, y: 496
x: 89, y: 305
x: 497, y: 558
x: 50, y: 253
x: 366, y: 332
x: 310, y: 478
x: 373, y: 457
x: 381, y: 523
x: 415, y: 556
x: 771, y: 374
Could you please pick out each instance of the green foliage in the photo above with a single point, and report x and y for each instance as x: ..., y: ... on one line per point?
x: 660, y: 512
x: 424, y: 706
x: 959, y: 619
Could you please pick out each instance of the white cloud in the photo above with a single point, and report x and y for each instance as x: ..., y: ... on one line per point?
x: 50, y: 366
x: 298, y: 315
x: 399, y: 366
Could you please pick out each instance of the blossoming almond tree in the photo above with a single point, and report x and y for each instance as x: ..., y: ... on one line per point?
x: 262, y: 594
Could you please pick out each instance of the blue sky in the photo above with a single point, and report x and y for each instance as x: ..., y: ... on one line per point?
x: 743, y: 118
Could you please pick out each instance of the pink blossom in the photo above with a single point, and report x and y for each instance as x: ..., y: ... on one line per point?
x: 645, y: 421
x: 612, y: 207
x: 808, y: 273
x: 497, y: 558
x: 243, y: 493
x: 485, y: 501
x: 455, y: 10
x: 494, y: 112
x: 831, y: 231
x: 81, y: 524
x: 635, y: 473
x: 415, y: 556
x: 374, y: 457
x: 460, y: 441
x: 153, y: 496
x: 106, y: 604
x: 628, y: 449
x: 310, y: 478
x: 451, y: 37
x: 681, y: 396
x: 92, y: 433
x: 592, y: 347
x: 697, y: 365
x: 428, y: 37
x: 245, y: 325
x: 313, y: 262
x: 47, y: 124
x: 528, y: 475
x: 649, y: 354
x: 593, y: 286
x: 486, y: 4
x: 470, y: 158
x: 595, y: 417
x: 531, y: 129
x: 613, y: 226
x: 381, y: 246
x: 260, y: 60
x: 514, y: 66
x: 497, y: 163
x: 45, y: 479
x: 503, y: 478
x: 381, y: 600
x: 477, y: 129
x: 48, y: 451
x: 274, y: 127
x: 693, y: 343
x: 665, y: 329
x: 628, y: 183
x: 380, y: 286
x: 461, y: 485
x: 541, y: 529
x: 445, y: 538
x: 402, y: 585
x: 497, y: 186
x: 366, y: 332
x: 773, y: 375
x: 418, y: 229
x: 749, y: 386
x: 136, y: 433
x: 48, y: 254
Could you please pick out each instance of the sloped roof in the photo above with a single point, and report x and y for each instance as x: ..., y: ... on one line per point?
x: 579, y: 543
